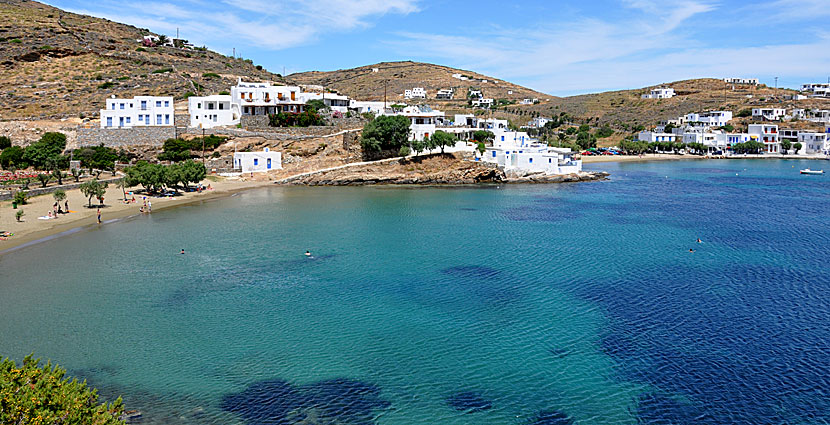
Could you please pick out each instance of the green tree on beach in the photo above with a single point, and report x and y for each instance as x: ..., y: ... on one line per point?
x: 35, y: 394
x: 59, y: 195
x: 44, y: 179
x: 785, y: 146
x: 483, y: 136
x: 797, y: 147
x: 443, y: 139
x: 50, y: 145
x: 385, y: 133
x: 94, y: 188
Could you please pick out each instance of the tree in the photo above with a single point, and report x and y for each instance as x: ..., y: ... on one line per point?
x: 122, y: 184
x: 176, y: 150
x: 316, y: 105
x: 5, y: 142
x: 31, y: 393
x: 19, y: 215
x: 785, y: 146
x: 12, y: 157
x: 443, y: 139
x: 77, y: 174
x: 586, y: 140
x: 419, y: 146
x: 604, y: 132
x: 56, y: 163
x: 797, y: 147
x: 669, y: 127
x: 162, y: 40
x: 385, y: 133
x: 483, y: 136
x: 44, y: 179
x: 193, y: 171
x: 59, y: 195
x: 50, y: 144
x: 94, y: 188
x: 743, y: 113
x: 481, y: 148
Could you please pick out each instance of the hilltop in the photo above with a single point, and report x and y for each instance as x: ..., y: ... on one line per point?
x: 367, y: 82
x: 61, y: 64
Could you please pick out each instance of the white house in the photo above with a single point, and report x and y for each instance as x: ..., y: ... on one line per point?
x: 769, y: 114
x: 529, y: 101
x: 335, y: 102
x: 415, y: 93
x: 516, y: 151
x: 465, y: 120
x: 538, y: 122
x: 460, y: 77
x: 660, y: 93
x: 266, y: 99
x: 711, y: 118
x: 746, y: 81
x: 483, y: 102
x: 475, y: 94
x: 814, y: 143
x: 362, y: 106
x: 817, y: 90
x: 257, y: 162
x: 766, y: 134
x: 814, y: 115
x: 444, y: 94
x: 423, y: 120
x: 140, y: 111
x: 212, y: 111
x: 650, y: 136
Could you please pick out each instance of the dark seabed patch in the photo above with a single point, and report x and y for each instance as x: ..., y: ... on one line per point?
x: 469, y: 209
x: 277, y: 401
x: 550, y: 417
x: 659, y: 409
x: 469, y: 402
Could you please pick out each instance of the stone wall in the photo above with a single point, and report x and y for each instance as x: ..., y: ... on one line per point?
x: 6, y: 195
x: 123, y: 137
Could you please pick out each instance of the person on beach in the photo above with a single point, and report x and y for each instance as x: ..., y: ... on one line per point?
x: 99, y: 215
x: 133, y: 198
x: 149, y: 206
x: 66, y: 206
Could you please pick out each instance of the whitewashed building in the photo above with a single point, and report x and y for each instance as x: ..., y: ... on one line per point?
x: 814, y: 143
x: 515, y: 151
x: 538, y: 122
x: 744, y: 81
x: 660, y: 93
x: 766, y: 134
x: 817, y: 90
x: 769, y: 114
x: 424, y: 120
x: 140, y: 111
x: 257, y: 162
x: 711, y: 118
x: 361, y: 106
x: 650, y: 136
x: 415, y: 93
x: 335, y: 102
x: 212, y: 111
x: 445, y: 94
x: 266, y: 99
x: 483, y: 102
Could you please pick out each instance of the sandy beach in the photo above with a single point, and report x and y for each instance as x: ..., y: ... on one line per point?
x: 31, y: 228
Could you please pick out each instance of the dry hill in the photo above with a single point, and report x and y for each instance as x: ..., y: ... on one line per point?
x: 368, y: 82
x: 60, y: 64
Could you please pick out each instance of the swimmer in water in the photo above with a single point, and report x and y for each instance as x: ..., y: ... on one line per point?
x: 699, y: 241
x: 691, y: 250
x: 182, y: 251
x: 307, y: 254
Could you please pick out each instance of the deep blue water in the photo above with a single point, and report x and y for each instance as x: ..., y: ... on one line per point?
x: 531, y: 304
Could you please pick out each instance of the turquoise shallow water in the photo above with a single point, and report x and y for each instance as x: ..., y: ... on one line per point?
x: 494, y: 304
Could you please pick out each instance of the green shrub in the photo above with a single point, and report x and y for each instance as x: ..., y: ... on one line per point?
x: 140, y: 49
x: 5, y: 142
x: 210, y: 75
x: 107, y: 85
x: 188, y: 94
x: 20, y: 197
x: 224, y: 92
x: 404, y: 151
x: 16, y: 41
x: 259, y: 67
x: 43, y: 395
x: 46, y: 47
x: 123, y: 78
x: 162, y: 70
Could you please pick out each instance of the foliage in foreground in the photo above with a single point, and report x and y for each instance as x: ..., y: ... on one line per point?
x: 36, y: 395
x: 154, y: 177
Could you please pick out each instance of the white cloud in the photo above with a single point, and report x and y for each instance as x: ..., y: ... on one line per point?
x: 648, y: 47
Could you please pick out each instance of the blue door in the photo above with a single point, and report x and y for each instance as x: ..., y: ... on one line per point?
x: 269, y: 163
x: 121, y: 121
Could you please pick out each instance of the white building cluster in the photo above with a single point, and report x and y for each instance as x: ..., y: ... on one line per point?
x: 816, y: 90
x: 660, y: 93
x: 515, y: 151
x: 742, y: 81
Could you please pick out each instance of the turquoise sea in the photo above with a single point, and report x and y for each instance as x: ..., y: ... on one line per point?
x: 522, y: 304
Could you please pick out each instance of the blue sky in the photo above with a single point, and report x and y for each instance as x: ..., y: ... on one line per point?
x: 557, y: 47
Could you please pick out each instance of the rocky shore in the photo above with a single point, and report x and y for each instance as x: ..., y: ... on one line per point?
x: 438, y: 169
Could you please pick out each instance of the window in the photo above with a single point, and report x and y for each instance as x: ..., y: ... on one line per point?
x: 550, y: 160
x: 131, y: 106
x: 502, y: 138
x: 167, y: 119
x: 221, y: 106
x: 112, y: 105
x: 121, y: 106
x: 128, y: 120
x: 109, y: 121
x: 158, y: 104
x: 530, y: 160
x: 198, y: 106
x: 158, y: 119
x: 494, y: 154
x: 256, y: 161
x: 143, y: 105
x: 166, y: 103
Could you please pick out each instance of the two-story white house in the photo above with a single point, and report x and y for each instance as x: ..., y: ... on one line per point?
x: 743, y: 81
x: 335, y: 102
x: 813, y: 143
x: 769, y: 114
x: 423, y: 120
x: 483, y: 102
x: 415, y: 93
x: 445, y: 94
x: 651, y: 136
x: 265, y: 99
x: 817, y: 90
x: 766, y: 134
x: 212, y: 111
x: 660, y: 93
x: 515, y: 151
x: 710, y: 119
x: 140, y: 111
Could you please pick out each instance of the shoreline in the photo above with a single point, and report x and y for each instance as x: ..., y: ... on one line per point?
x: 111, y: 213
x: 675, y: 157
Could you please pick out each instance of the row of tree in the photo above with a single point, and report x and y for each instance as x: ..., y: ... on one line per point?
x: 155, y: 177
x: 181, y: 150
x: 389, y: 135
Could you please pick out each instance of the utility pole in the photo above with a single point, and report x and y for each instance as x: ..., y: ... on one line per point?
x: 203, y: 146
x: 384, y: 95
x: 776, y: 85
x: 234, y: 52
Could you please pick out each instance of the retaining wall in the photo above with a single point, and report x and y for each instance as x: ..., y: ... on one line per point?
x: 123, y: 137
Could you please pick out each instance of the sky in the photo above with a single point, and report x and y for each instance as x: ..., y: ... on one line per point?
x: 556, y: 47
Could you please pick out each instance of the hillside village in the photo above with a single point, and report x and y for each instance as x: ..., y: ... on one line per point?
x: 130, y: 89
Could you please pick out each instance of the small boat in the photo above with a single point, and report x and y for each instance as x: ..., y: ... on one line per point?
x: 809, y: 171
